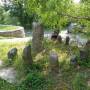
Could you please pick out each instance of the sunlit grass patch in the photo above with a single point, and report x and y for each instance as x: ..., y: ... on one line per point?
x: 5, y: 47
x: 6, y: 28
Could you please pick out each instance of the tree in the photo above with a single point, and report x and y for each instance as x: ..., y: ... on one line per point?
x: 56, y: 13
x: 1, y: 15
x: 17, y: 9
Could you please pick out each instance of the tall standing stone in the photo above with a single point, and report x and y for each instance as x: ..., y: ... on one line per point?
x: 38, y: 36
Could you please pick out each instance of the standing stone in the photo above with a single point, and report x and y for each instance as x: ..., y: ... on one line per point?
x: 38, y: 36
x: 12, y: 53
x: 67, y: 40
x: 54, y: 63
x: 59, y: 39
x: 27, y: 57
x: 55, y: 35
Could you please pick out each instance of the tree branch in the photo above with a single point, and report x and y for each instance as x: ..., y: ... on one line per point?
x: 76, y: 17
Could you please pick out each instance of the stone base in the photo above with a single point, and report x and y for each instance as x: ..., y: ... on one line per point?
x: 13, y: 33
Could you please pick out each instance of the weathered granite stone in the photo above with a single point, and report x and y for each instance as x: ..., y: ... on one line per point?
x: 38, y: 36
x: 27, y: 57
x: 54, y: 63
x: 13, y: 33
x: 12, y: 53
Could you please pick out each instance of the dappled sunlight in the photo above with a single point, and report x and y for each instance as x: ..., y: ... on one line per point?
x: 39, y: 57
x: 62, y: 55
x: 44, y: 45
x: 76, y: 1
x: 6, y: 47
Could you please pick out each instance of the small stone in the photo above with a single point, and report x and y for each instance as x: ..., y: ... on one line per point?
x: 67, y: 40
x: 12, y: 53
x: 73, y: 60
x: 54, y: 63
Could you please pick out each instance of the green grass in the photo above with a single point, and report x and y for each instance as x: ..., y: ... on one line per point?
x: 3, y: 28
x: 6, y: 86
x: 38, y: 76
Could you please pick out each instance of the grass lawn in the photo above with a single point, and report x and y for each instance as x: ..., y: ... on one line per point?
x: 3, y: 27
x: 38, y: 77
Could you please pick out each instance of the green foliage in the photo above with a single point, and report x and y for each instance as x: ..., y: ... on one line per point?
x: 8, y: 19
x: 1, y: 14
x: 79, y: 82
x: 17, y: 9
x: 55, y: 13
x: 5, y: 17
x: 48, y: 12
x: 6, y: 86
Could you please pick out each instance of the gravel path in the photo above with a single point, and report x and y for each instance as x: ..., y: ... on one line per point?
x: 8, y: 73
x: 26, y: 39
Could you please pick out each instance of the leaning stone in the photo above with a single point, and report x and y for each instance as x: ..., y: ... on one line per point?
x: 38, y: 36
x: 67, y: 40
x: 27, y: 57
x: 54, y: 63
x: 12, y: 53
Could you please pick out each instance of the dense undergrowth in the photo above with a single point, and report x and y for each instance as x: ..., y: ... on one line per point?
x: 39, y: 77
